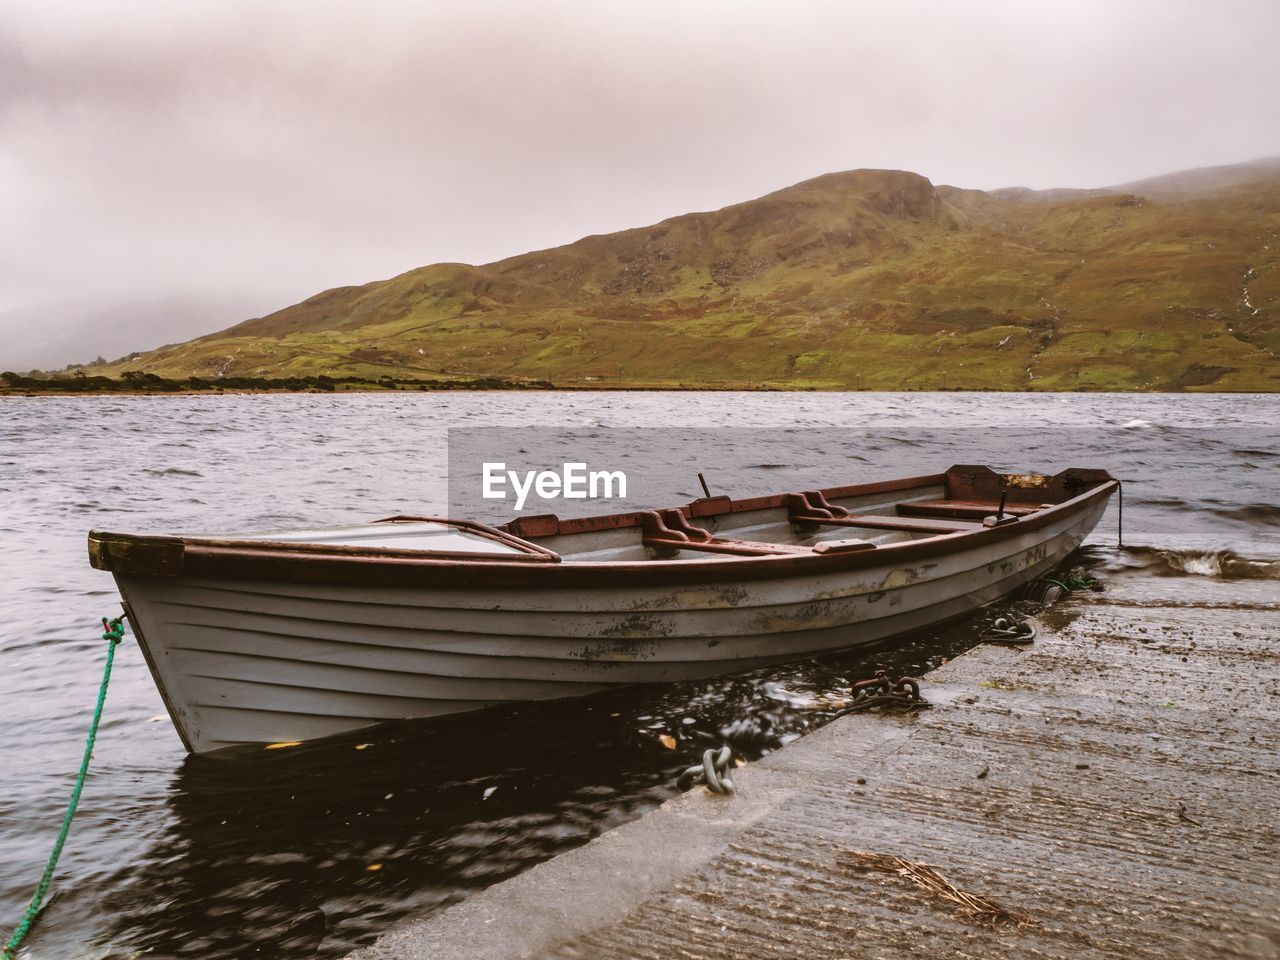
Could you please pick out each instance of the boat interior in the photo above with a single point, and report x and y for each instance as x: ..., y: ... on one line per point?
x: 839, y: 519
x: 858, y: 517
x: 832, y: 520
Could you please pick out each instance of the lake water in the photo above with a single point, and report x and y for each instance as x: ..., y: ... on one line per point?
x: 315, y: 850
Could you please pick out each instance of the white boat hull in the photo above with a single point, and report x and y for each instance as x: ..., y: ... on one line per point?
x: 261, y: 661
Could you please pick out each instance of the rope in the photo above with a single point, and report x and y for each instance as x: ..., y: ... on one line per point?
x: 113, y: 633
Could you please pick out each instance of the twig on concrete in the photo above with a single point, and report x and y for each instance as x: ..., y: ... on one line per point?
x: 972, y: 906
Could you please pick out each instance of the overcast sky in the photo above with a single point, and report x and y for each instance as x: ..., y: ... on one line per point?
x: 261, y: 151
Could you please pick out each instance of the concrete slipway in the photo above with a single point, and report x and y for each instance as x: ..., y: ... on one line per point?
x: 1130, y: 804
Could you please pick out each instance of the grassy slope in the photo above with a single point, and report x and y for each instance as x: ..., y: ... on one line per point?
x: 867, y: 278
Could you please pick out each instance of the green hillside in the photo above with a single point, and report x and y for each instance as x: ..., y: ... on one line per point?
x: 865, y: 279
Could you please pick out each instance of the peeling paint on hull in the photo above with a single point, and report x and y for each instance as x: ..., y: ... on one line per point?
x: 258, y: 662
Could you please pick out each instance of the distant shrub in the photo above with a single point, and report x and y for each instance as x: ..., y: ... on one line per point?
x: 133, y: 381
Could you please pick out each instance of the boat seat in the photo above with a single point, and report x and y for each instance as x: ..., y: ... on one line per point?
x: 966, y: 509
x: 811, y: 509
x: 907, y: 524
x: 741, y: 548
x: 669, y: 530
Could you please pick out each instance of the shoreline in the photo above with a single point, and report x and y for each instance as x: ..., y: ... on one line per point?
x: 6, y: 392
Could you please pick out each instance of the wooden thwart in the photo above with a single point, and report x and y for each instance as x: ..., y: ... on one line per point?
x: 960, y: 509
x: 743, y: 548
x: 876, y: 522
x: 813, y: 508
x: 670, y: 530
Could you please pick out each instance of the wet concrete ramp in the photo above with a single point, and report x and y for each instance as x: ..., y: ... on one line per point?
x: 1117, y: 784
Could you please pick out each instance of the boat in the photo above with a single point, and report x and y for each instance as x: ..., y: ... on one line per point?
x: 288, y: 636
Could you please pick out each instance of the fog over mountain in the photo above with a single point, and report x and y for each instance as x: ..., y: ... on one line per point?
x: 214, y: 154
x: 48, y: 336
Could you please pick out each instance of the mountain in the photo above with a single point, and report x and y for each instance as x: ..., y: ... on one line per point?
x: 868, y: 278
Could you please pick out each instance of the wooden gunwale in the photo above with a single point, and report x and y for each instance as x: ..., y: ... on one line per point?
x: 283, y: 561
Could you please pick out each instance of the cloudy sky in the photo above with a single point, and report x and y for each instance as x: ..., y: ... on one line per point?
x: 250, y: 154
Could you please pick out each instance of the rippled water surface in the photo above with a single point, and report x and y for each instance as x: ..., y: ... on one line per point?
x: 317, y: 849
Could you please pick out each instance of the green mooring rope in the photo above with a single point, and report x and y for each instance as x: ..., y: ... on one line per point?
x: 113, y: 633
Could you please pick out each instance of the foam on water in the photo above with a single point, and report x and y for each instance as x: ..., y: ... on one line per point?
x: 1218, y: 564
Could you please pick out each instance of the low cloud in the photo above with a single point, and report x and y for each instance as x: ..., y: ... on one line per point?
x: 261, y: 152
